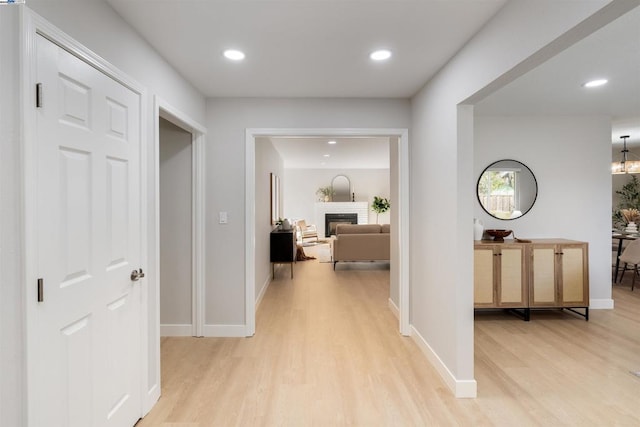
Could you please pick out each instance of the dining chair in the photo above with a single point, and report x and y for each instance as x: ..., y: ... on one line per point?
x: 631, y: 255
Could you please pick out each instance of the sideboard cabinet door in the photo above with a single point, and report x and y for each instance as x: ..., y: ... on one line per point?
x: 512, y: 286
x: 544, y: 282
x: 484, y: 276
x: 559, y: 275
x: 282, y: 246
x: 500, y: 276
x: 574, y: 277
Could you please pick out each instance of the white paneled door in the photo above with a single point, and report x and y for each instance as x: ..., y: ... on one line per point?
x: 84, y: 337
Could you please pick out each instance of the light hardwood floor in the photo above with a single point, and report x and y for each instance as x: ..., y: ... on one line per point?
x: 327, y: 352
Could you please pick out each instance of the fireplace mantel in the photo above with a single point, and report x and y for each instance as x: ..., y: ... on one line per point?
x: 321, y: 208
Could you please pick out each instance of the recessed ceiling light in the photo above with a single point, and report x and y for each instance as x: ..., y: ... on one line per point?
x: 380, y: 55
x: 327, y: 155
x: 332, y: 142
x: 595, y: 83
x: 234, y: 55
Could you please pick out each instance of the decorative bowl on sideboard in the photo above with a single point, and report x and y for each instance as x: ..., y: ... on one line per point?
x: 498, y: 235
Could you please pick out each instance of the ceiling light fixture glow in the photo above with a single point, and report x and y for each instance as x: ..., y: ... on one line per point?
x: 595, y: 83
x: 332, y: 142
x: 380, y: 55
x: 327, y: 155
x: 234, y: 55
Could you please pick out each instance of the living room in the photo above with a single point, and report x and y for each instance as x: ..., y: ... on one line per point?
x: 304, y: 166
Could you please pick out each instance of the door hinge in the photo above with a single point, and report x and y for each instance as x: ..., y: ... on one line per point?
x: 40, y: 290
x: 38, y: 95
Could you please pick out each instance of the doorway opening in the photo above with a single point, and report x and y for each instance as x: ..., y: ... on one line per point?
x: 179, y: 222
x: 400, y: 216
x: 175, y: 156
x: 169, y: 120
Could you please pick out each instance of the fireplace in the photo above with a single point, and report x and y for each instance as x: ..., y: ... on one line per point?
x: 333, y: 219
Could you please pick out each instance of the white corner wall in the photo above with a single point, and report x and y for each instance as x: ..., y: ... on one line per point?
x: 394, y: 220
x: 570, y: 157
x: 227, y: 120
x: 267, y: 161
x: 521, y: 36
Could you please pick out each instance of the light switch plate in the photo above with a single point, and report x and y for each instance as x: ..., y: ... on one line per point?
x: 222, y: 217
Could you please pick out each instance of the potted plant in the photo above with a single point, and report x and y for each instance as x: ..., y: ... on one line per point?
x: 380, y: 205
x: 283, y: 224
x: 325, y: 193
x: 629, y: 199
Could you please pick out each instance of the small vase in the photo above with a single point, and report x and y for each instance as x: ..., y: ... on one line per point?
x: 286, y: 225
x: 326, y: 198
x: 478, y: 229
x: 632, y: 228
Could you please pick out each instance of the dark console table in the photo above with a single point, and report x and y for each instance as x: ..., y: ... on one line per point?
x: 283, y: 249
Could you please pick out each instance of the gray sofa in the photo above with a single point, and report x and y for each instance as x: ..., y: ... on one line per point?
x: 361, y: 242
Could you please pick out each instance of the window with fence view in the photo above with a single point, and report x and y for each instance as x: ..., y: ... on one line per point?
x: 497, y: 191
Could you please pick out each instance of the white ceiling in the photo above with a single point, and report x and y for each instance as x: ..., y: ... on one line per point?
x: 555, y: 87
x: 319, y: 48
x: 347, y: 153
x: 307, y: 48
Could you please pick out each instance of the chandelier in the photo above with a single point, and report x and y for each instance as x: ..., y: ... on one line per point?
x: 625, y: 165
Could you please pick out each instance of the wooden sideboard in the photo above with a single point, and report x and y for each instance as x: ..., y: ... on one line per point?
x: 545, y: 273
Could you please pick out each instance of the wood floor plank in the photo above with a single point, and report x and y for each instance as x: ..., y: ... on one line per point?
x: 327, y: 352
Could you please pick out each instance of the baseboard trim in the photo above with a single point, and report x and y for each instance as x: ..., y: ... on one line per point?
x: 394, y: 308
x: 601, y: 304
x: 225, y: 331
x: 176, y: 330
x: 152, y: 397
x: 263, y: 290
x: 460, y: 388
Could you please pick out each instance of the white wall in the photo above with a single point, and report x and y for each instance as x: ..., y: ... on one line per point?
x: 442, y: 168
x: 267, y: 161
x: 570, y: 158
x: 175, y: 229
x: 227, y: 120
x: 11, y: 279
x: 301, y: 185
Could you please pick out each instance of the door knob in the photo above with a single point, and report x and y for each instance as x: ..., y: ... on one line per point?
x: 137, y: 275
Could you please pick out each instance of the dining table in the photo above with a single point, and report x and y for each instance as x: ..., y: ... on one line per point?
x: 621, y: 236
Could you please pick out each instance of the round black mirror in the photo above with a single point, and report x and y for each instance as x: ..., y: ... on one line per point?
x: 507, y: 189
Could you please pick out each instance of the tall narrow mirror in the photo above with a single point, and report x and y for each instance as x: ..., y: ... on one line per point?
x: 341, y: 189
